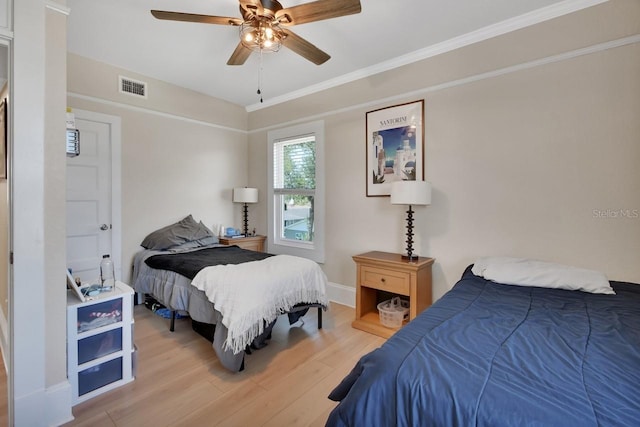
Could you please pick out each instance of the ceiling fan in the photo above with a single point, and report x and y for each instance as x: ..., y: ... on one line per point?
x: 263, y: 26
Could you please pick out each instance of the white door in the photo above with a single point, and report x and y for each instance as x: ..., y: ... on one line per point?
x: 89, y: 222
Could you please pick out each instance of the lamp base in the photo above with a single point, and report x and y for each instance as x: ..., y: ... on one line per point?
x: 246, y: 220
x: 410, y: 256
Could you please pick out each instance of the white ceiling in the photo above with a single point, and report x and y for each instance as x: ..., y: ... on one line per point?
x: 384, y: 35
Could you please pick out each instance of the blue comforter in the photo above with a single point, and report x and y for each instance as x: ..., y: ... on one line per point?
x: 488, y: 354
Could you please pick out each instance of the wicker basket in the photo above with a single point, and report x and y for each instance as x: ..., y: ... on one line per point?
x: 393, y: 312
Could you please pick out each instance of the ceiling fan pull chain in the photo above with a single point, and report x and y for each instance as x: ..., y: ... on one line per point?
x: 260, y: 77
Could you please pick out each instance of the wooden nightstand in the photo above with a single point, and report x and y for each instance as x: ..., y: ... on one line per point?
x: 253, y: 243
x: 380, y: 274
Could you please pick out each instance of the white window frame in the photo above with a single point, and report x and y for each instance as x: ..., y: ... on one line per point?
x: 312, y: 250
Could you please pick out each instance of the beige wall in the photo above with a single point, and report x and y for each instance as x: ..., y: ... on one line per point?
x: 177, y: 159
x: 528, y: 152
x: 87, y: 77
x: 532, y: 160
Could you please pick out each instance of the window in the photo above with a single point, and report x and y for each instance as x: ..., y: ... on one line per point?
x: 296, y: 191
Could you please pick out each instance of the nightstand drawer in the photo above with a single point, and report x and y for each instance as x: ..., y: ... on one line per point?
x: 99, y: 314
x: 96, y: 346
x: 100, y: 375
x: 397, y: 282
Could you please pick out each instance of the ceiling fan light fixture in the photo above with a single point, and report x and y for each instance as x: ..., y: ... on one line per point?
x: 261, y: 36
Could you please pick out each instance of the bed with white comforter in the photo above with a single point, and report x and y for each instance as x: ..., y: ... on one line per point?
x: 240, y: 299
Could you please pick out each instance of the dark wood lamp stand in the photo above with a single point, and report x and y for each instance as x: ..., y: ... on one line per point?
x: 409, y: 255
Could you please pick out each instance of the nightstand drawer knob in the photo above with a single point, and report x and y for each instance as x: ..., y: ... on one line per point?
x: 383, y: 280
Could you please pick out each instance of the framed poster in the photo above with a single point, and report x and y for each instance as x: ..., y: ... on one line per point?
x: 395, y: 146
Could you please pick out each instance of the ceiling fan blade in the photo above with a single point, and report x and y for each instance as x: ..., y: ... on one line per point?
x: 239, y: 56
x: 304, y: 48
x: 317, y: 11
x: 192, y: 17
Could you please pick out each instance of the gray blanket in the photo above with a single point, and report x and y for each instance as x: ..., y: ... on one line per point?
x: 190, y: 263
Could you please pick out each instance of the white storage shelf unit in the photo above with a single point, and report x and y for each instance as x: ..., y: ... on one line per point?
x: 100, y: 349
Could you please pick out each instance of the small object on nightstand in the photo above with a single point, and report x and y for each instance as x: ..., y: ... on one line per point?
x: 233, y: 232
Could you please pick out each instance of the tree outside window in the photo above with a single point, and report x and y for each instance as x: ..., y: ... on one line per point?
x: 299, y: 161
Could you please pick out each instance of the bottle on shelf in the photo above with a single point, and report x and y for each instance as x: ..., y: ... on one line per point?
x: 107, y: 274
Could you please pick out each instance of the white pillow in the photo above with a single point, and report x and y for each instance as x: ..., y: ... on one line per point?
x: 529, y: 272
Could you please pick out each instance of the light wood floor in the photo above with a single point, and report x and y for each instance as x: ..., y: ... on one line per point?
x: 180, y: 382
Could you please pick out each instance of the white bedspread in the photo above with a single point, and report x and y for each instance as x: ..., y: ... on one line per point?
x: 249, y: 294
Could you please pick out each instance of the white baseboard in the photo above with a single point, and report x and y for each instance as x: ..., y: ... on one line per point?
x: 345, y: 295
x: 54, y: 407
x: 59, y: 404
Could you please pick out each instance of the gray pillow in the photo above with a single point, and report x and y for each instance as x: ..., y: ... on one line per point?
x: 200, y: 243
x: 183, y: 231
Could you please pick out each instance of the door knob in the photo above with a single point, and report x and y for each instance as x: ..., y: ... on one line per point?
x: 104, y: 227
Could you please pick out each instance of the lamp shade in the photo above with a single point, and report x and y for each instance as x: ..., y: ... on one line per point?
x: 410, y: 193
x: 245, y: 195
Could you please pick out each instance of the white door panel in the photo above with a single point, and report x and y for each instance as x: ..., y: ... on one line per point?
x: 89, y: 200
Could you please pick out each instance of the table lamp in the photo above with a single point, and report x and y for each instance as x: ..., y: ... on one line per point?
x: 245, y: 195
x: 412, y: 193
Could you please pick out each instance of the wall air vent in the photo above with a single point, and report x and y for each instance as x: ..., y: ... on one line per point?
x: 132, y: 87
